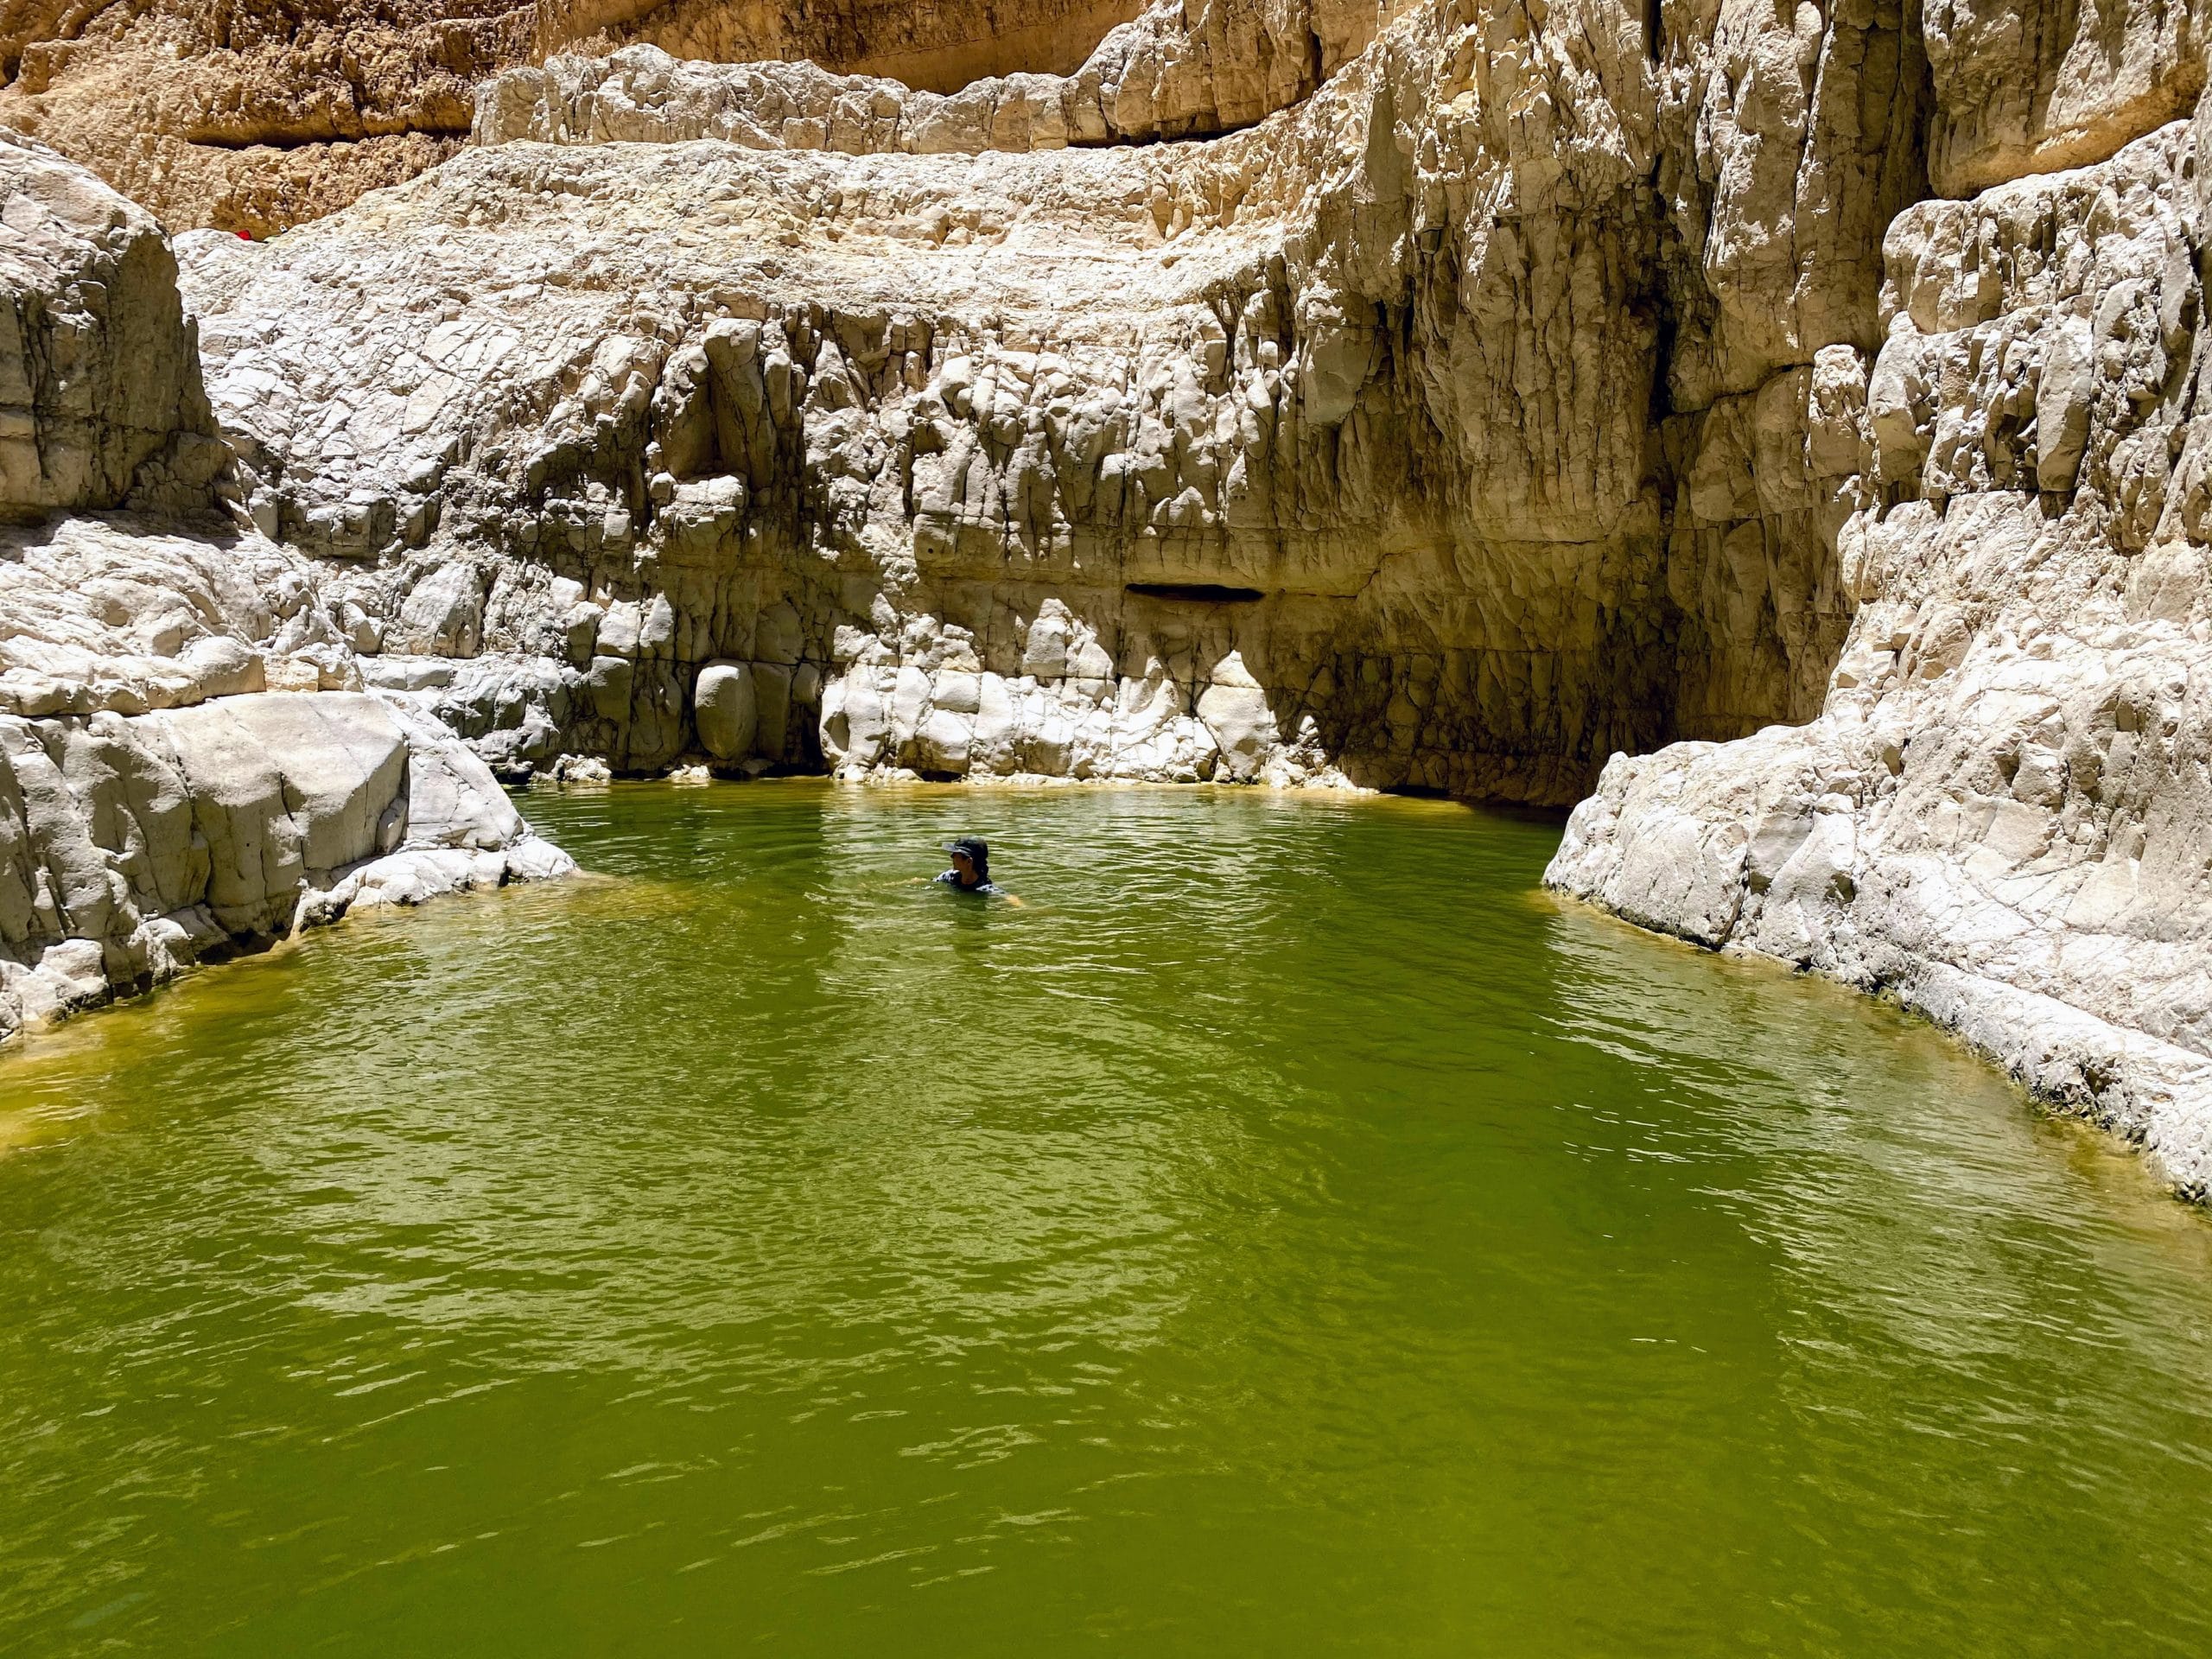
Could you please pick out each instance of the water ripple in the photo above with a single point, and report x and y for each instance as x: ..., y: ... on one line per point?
x: 1287, y: 1231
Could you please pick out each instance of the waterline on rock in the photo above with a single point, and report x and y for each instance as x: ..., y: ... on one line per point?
x: 1291, y: 1222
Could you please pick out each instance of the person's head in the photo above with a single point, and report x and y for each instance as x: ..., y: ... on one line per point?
x: 971, y: 860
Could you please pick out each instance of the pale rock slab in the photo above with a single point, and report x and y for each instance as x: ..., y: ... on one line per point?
x: 132, y: 847
x: 124, y: 614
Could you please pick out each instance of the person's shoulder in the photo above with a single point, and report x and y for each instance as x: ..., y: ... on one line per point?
x: 946, y: 878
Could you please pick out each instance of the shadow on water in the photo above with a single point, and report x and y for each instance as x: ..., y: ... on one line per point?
x: 1290, y: 1229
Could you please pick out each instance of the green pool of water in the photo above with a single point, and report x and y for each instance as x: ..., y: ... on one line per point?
x: 1290, y: 1233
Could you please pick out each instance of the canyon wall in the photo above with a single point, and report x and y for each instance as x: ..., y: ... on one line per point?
x: 188, y: 761
x: 1408, y: 435
x: 2002, y: 814
x: 1797, y: 405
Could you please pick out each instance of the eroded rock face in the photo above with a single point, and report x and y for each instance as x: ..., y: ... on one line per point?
x: 1015, y: 453
x: 187, y: 762
x: 124, y: 614
x: 252, y: 116
x: 2001, y: 814
x: 1176, y: 71
x: 941, y: 47
x: 100, y: 397
x: 2036, y: 89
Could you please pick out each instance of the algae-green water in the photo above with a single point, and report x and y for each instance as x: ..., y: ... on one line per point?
x: 1290, y: 1232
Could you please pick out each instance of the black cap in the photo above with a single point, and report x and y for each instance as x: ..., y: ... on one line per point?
x: 977, y: 852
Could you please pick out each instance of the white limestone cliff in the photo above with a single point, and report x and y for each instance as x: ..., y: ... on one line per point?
x: 2002, y: 814
x: 1047, y: 459
x: 189, y: 764
x: 1784, y: 419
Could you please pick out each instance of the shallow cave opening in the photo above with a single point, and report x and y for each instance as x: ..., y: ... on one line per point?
x: 1195, y: 593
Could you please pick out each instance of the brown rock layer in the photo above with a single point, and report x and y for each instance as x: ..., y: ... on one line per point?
x: 255, y: 116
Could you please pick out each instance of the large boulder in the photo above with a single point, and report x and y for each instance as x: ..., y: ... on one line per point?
x: 284, y: 791
x: 726, y: 710
x: 101, y: 403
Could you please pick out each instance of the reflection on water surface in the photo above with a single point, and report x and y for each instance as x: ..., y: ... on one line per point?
x: 1290, y: 1232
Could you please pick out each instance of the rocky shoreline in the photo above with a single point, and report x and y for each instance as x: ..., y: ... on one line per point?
x: 189, y: 764
x: 1786, y: 424
x: 2001, y: 815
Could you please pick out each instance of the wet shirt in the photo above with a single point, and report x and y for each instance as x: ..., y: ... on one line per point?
x: 951, y: 879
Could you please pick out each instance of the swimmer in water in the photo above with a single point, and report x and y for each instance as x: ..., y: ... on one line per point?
x: 971, y: 869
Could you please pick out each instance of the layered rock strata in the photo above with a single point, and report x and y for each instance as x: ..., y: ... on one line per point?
x: 253, y: 117
x: 101, y: 403
x: 941, y: 47
x: 188, y: 763
x: 1175, y: 71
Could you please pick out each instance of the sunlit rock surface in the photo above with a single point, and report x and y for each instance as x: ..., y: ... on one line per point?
x: 1800, y: 404
x: 990, y: 453
x: 2002, y: 814
x: 188, y: 761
